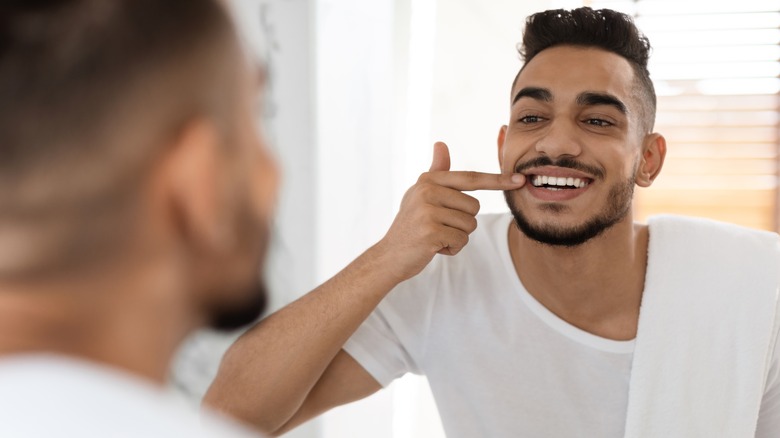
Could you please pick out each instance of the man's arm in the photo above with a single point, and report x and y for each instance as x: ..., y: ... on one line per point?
x: 290, y: 366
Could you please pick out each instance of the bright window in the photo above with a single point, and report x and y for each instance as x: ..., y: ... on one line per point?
x: 716, y: 68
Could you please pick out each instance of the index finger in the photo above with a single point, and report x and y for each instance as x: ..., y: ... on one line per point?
x: 469, y: 181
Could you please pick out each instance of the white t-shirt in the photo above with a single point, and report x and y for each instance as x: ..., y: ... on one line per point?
x: 45, y: 396
x: 499, y: 363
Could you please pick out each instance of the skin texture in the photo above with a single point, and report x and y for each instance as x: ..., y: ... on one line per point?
x: 290, y: 367
x: 186, y: 259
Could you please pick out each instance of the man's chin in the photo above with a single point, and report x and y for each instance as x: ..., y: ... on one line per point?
x: 243, y: 296
x: 559, y: 235
x: 240, y: 314
x: 579, y: 231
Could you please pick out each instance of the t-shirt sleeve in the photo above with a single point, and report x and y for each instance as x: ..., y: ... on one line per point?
x: 391, y: 342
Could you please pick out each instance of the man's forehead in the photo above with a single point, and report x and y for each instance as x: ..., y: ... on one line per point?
x: 575, y: 69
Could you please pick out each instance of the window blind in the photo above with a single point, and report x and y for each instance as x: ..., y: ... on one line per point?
x: 716, y: 68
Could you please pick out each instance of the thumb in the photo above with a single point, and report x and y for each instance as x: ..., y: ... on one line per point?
x: 441, y: 157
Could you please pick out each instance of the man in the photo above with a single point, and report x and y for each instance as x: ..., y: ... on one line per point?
x: 134, y: 205
x: 534, y: 328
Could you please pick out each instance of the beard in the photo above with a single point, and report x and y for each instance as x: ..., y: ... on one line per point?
x: 234, y: 317
x: 242, y: 298
x: 618, y: 205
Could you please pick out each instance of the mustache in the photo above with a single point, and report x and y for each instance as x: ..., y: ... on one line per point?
x: 566, y: 162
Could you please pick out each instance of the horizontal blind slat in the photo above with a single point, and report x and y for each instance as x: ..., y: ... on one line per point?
x: 716, y: 67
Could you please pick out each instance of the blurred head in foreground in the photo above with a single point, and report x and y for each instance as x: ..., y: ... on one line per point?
x: 135, y: 190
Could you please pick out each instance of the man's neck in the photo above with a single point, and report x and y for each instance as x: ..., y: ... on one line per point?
x: 596, y: 286
x: 133, y: 325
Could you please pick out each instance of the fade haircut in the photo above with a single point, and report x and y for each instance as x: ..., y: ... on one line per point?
x: 90, y: 92
x: 604, y: 29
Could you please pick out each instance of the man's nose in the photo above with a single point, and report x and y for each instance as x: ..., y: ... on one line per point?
x: 560, y: 140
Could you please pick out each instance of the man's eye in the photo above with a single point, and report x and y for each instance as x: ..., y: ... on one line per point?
x: 598, y: 122
x: 530, y: 119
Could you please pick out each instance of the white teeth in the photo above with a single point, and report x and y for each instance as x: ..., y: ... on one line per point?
x: 550, y: 181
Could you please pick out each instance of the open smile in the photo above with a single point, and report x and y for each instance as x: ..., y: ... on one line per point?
x: 559, y: 182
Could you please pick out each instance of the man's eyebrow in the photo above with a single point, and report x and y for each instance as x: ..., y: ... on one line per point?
x: 537, y: 93
x: 589, y: 98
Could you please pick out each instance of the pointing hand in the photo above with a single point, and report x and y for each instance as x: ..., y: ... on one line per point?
x: 436, y: 216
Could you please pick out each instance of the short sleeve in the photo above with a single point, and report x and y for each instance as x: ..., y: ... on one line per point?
x: 391, y: 342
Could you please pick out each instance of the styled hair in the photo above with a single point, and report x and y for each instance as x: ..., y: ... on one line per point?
x: 89, y: 90
x: 604, y: 29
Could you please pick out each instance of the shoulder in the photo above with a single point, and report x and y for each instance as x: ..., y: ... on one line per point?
x: 703, y: 241
x: 79, y: 398
x: 715, y: 250
x: 701, y: 230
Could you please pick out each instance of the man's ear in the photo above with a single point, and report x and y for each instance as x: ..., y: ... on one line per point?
x: 652, y: 159
x: 501, y: 138
x: 192, y: 170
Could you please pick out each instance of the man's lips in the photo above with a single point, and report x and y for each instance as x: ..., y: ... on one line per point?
x: 561, y: 178
x: 555, y: 184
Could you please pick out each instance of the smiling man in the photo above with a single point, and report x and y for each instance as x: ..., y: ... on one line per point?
x: 564, y: 318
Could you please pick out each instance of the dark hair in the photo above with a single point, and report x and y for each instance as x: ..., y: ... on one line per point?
x: 605, y: 29
x: 88, y: 88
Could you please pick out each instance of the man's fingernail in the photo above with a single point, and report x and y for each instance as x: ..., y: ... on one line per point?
x: 518, y: 178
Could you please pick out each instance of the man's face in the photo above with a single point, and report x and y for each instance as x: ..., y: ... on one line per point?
x: 251, y: 181
x: 575, y: 133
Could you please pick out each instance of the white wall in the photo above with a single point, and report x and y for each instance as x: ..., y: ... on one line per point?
x: 476, y: 61
x: 356, y: 136
x: 395, y: 76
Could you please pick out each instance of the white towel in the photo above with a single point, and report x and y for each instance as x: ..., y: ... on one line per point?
x: 707, y: 326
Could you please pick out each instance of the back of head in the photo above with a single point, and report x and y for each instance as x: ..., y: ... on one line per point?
x: 604, y: 29
x: 90, y: 90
